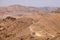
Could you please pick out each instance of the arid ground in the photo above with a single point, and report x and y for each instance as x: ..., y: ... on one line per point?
x: 29, y: 23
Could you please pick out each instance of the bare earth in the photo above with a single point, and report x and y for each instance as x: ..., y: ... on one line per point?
x: 35, y: 26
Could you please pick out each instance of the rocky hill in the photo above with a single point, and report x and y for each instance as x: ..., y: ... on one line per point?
x: 30, y: 27
x: 18, y: 10
x: 28, y: 23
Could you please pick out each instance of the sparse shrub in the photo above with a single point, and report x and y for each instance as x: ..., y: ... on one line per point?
x: 9, y: 18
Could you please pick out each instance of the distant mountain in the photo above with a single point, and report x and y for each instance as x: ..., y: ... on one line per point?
x: 48, y: 9
x: 23, y: 10
x: 18, y: 9
x: 56, y: 11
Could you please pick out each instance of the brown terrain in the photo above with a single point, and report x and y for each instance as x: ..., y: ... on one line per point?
x: 28, y: 23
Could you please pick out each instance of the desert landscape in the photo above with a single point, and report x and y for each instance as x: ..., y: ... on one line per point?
x: 19, y: 22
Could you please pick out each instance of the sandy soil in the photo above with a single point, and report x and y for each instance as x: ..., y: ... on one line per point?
x: 30, y: 27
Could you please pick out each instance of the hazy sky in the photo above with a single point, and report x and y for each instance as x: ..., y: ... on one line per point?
x: 35, y: 3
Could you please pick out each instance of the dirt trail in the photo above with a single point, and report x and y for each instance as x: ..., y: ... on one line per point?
x: 44, y: 27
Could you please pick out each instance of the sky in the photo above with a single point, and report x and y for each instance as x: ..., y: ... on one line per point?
x: 33, y: 3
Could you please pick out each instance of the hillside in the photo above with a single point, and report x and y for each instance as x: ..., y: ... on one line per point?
x: 43, y: 27
x: 18, y: 10
x: 28, y: 23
